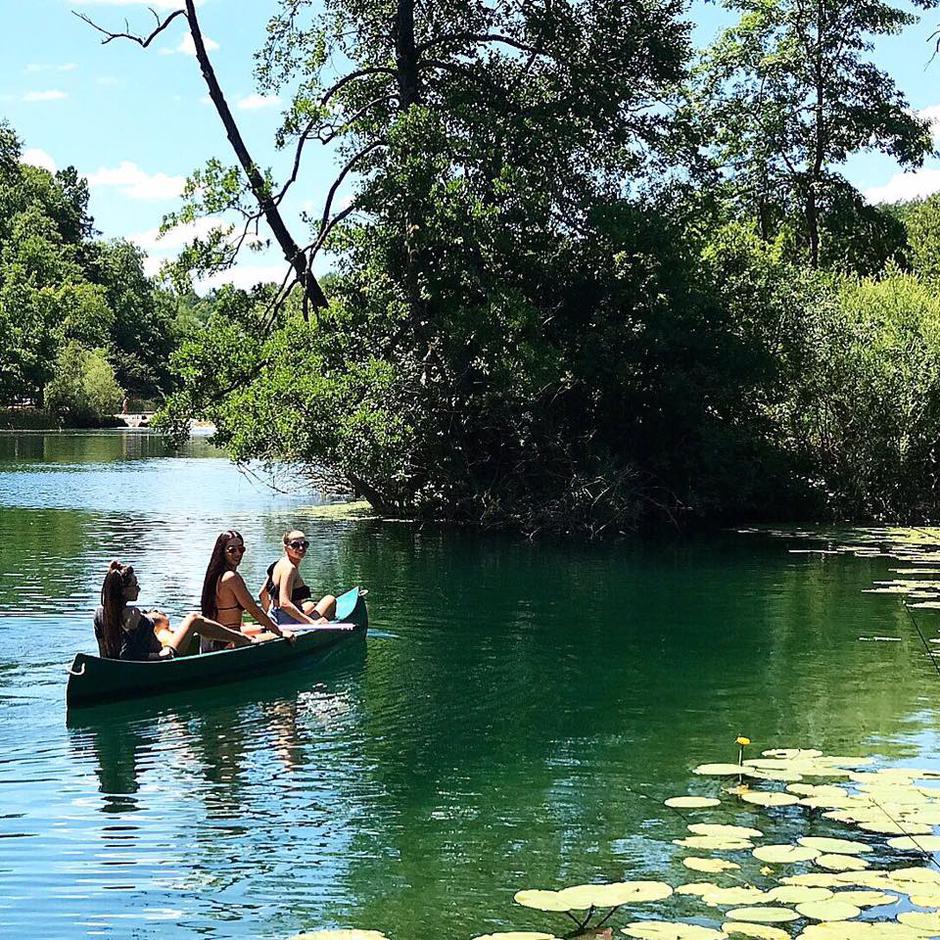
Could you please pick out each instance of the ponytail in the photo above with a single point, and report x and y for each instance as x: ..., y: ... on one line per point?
x: 113, y: 599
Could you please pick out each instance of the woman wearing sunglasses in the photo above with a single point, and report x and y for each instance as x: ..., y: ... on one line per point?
x: 124, y: 632
x: 284, y: 594
x: 225, y: 596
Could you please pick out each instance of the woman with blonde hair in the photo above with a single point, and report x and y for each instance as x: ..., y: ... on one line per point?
x: 285, y: 596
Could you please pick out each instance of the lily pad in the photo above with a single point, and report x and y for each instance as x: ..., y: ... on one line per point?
x: 582, y: 897
x: 740, y: 894
x: 830, y: 909
x: 720, y: 770
x: 841, y: 862
x: 691, y: 802
x: 835, y: 846
x: 722, y: 830
x: 784, y: 854
x: 710, y: 865
x: 862, y: 898
x: 923, y: 843
x: 798, y: 894
x: 697, y: 887
x: 928, y: 921
x: 792, y: 753
x: 761, y: 798
x: 714, y: 843
x: 670, y: 930
x: 761, y: 931
x: 540, y: 900
x: 813, y: 879
x: 763, y: 915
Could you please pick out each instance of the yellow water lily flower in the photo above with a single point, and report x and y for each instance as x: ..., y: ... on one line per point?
x: 743, y: 741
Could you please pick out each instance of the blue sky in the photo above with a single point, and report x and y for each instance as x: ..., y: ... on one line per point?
x: 136, y: 122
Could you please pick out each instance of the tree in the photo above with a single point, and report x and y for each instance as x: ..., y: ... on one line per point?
x: 792, y: 93
x: 58, y: 284
x: 83, y: 390
x: 922, y: 220
x: 478, y: 144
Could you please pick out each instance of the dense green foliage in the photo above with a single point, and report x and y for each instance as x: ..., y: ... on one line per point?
x: 571, y: 303
x: 60, y: 287
x: 580, y: 275
x: 83, y: 391
x: 789, y: 93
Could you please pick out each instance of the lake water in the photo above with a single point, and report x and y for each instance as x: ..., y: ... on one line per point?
x: 515, y: 719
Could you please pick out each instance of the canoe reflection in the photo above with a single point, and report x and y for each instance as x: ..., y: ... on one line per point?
x: 220, y: 745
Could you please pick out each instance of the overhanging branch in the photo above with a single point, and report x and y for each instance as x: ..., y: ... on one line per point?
x: 142, y: 41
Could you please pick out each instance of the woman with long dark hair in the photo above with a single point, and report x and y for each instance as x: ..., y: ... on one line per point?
x: 124, y: 632
x: 286, y: 596
x: 225, y: 597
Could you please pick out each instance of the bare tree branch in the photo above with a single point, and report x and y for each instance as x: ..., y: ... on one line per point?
x: 457, y: 38
x: 352, y: 76
x: 314, y: 247
x: 259, y: 188
x: 335, y: 132
x: 342, y: 175
x: 142, y: 41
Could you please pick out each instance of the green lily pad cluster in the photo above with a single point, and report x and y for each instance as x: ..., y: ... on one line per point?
x: 826, y: 883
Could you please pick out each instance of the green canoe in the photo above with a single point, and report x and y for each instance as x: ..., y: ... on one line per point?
x: 93, y: 680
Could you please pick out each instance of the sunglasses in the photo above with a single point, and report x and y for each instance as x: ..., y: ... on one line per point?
x: 235, y: 549
x: 299, y: 545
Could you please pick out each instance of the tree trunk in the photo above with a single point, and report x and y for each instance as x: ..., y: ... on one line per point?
x: 294, y: 255
x: 409, y: 92
x: 812, y: 195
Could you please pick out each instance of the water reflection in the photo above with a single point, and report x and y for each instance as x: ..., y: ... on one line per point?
x: 526, y: 711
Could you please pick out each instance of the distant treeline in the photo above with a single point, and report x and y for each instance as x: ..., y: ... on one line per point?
x: 82, y: 325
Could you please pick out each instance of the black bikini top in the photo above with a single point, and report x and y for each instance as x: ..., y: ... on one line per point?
x: 299, y: 594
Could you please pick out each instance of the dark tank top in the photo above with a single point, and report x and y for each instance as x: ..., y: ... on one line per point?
x: 297, y: 596
x: 138, y: 644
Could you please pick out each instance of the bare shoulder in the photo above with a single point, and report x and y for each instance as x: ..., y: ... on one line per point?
x: 230, y: 576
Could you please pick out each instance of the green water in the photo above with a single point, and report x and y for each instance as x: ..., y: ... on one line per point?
x: 515, y: 719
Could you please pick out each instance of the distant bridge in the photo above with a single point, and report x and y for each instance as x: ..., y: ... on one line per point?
x: 136, y: 419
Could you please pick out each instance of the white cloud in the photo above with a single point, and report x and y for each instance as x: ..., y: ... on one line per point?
x: 932, y: 114
x: 44, y: 96
x: 188, y: 47
x: 151, y: 240
x: 36, y: 157
x: 135, y: 183
x: 905, y: 186
x: 255, y: 102
x: 39, y: 67
x: 246, y: 276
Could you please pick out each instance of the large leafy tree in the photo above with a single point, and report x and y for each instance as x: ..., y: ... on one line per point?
x: 58, y: 285
x: 790, y: 93
x: 478, y: 145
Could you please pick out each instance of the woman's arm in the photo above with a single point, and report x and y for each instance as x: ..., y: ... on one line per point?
x: 284, y: 601
x: 238, y: 587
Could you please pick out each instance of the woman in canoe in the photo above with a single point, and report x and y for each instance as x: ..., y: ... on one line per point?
x: 225, y: 596
x: 284, y: 594
x: 124, y: 632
